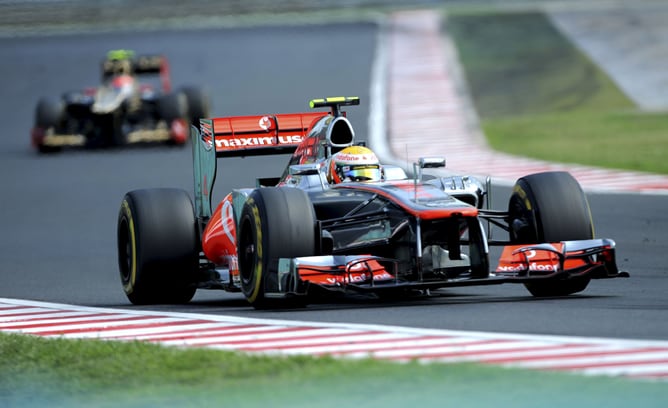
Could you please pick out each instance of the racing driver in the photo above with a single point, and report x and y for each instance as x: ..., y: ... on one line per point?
x: 354, y: 163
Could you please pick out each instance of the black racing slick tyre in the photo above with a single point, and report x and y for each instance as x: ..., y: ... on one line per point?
x: 173, y: 106
x: 550, y: 207
x: 158, y: 251
x: 199, y: 105
x: 276, y: 222
x: 113, y: 124
x: 49, y: 113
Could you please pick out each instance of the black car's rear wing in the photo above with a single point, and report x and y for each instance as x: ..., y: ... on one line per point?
x: 126, y: 62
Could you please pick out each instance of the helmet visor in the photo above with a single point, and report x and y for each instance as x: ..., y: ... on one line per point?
x: 361, y: 172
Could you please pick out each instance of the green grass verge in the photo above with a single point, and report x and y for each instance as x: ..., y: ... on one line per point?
x: 538, y: 96
x: 70, y: 373
x: 616, y: 140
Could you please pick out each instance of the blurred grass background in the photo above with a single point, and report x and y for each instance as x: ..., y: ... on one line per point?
x: 537, y: 95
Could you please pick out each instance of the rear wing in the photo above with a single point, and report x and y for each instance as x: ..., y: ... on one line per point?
x: 241, y: 136
x: 260, y: 134
x: 154, y: 64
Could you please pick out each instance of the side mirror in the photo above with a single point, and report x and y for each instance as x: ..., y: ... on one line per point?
x: 427, y: 163
x: 310, y: 169
x: 304, y: 169
x: 431, y: 162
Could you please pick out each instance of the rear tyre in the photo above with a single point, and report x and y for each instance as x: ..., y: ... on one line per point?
x: 198, y: 104
x: 550, y: 207
x: 157, y: 246
x: 275, y: 223
x: 173, y: 106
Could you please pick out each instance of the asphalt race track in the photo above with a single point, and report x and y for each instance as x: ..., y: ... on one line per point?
x: 59, y: 211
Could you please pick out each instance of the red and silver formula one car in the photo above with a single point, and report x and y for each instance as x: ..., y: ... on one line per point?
x: 298, y: 236
x: 122, y: 110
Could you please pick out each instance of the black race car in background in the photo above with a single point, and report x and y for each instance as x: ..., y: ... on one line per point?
x: 125, y: 109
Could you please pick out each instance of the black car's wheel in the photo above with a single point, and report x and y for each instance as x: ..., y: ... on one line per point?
x: 113, y: 124
x: 49, y: 114
x: 157, y: 246
x: 275, y: 223
x: 550, y: 207
x: 173, y: 106
x: 199, y: 105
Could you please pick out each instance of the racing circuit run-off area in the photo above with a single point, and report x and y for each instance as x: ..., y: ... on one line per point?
x: 628, y: 358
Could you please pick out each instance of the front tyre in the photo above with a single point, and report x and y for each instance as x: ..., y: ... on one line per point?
x: 49, y: 114
x: 157, y: 246
x: 550, y: 207
x: 113, y: 124
x: 275, y: 223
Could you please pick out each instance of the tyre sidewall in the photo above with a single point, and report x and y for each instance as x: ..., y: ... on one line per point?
x: 553, y: 208
x: 252, y: 274
x: 173, y: 106
x: 49, y: 113
x: 163, y: 247
x: 127, y: 235
x: 280, y: 223
x: 198, y: 104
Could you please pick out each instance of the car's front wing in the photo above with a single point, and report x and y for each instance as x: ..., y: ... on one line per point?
x: 518, y: 264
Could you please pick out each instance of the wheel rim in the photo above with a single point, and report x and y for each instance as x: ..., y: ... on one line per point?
x: 125, y: 251
x: 246, y: 254
x: 522, y: 224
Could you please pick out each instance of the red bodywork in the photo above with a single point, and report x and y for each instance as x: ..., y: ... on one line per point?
x: 358, y: 271
x: 240, y: 133
x: 528, y: 260
x: 219, y: 240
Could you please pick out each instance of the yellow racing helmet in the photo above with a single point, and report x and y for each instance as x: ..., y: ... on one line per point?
x: 354, y: 163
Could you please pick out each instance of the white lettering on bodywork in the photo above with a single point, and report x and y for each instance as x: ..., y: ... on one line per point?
x: 257, y: 141
x: 536, y: 267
